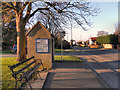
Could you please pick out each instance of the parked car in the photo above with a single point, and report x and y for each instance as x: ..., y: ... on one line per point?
x: 14, y: 49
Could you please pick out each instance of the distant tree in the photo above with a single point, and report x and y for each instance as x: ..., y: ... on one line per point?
x: 9, y: 35
x: 58, y: 13
x: 57, y: 38
x: 102, y: 33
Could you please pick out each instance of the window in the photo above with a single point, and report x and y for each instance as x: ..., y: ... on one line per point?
x: 42, y: 45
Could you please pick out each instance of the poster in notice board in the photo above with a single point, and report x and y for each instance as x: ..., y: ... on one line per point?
x: 42, y: 45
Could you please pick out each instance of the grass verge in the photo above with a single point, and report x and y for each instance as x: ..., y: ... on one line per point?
x: 67, y: 58
x: 6, y: 51
x: 7, y: 80
x: 64, y: 50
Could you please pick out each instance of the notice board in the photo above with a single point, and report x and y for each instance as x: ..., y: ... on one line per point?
x: 42, y: 45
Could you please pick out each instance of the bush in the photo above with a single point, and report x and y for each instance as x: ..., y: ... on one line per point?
x: 110, y: 39
x: 65, y: 45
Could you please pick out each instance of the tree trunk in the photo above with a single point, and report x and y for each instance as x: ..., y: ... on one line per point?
x: 21, y: 40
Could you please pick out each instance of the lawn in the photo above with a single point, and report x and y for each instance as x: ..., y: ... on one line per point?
x: 56, y: 50
x: 7, y: 80
x: 64, y: 50
x: 67, y: 58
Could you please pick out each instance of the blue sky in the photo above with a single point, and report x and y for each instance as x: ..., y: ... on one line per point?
x: 105, y: 20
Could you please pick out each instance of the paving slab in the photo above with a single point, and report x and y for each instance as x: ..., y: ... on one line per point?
x: 37, y: 84
x: 72, y: 75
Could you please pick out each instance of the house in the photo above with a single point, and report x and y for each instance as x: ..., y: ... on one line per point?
x: 92, y: 40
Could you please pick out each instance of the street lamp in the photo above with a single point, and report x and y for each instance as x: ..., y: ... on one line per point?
x: 62, y: 34
x: 71, y: 33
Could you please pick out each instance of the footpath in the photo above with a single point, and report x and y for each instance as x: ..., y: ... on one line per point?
x: 37, y: 84
x: 72, y: 75
x: 68, y: 75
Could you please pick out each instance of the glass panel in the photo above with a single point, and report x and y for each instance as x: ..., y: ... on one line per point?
x: 42, y: 45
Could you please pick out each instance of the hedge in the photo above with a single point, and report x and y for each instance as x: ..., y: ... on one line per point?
x: 65, y: 45
x: 109, y: 39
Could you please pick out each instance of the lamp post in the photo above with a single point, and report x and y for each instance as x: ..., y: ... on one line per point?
x: 71, y: 34
x: 71, y: 31
x: 62, y: 34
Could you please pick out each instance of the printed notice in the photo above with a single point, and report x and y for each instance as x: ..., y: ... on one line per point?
x: 42, y: 45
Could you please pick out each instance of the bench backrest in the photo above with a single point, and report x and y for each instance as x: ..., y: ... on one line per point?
x: 22, y: 69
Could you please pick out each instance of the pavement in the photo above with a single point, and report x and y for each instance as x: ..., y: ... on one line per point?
x: 38, y: 84
x: 72, y: 75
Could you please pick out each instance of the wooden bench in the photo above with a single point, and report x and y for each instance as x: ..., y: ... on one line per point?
x: 27, y: 69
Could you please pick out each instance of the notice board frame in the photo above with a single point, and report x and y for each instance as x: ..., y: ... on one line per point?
x: 47, y: 45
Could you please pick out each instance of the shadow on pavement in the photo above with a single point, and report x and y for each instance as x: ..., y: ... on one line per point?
x: 71, y: 75
x: 108, y: 73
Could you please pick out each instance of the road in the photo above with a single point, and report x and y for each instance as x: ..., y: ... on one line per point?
x: 104, y: 62
x: 105, y: 56
x: 109, y: 56
x: 8, y: 55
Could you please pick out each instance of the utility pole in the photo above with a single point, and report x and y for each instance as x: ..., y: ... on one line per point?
x: 71, y: 35
x: 71, y: 31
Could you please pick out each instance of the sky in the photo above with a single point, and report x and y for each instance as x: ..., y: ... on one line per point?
x: 106, y: 20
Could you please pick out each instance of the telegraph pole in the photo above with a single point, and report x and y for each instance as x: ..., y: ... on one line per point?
x: 71, y: 31
x: 71, y: 35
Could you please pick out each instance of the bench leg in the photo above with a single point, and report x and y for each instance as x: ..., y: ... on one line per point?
x: 39, y: 76
x: 42, y: 65
x: 29, y: 83
x: 16, y: 85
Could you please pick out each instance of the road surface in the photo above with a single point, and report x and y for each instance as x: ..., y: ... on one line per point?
x: 104, y: 62
x: 8, y: 55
